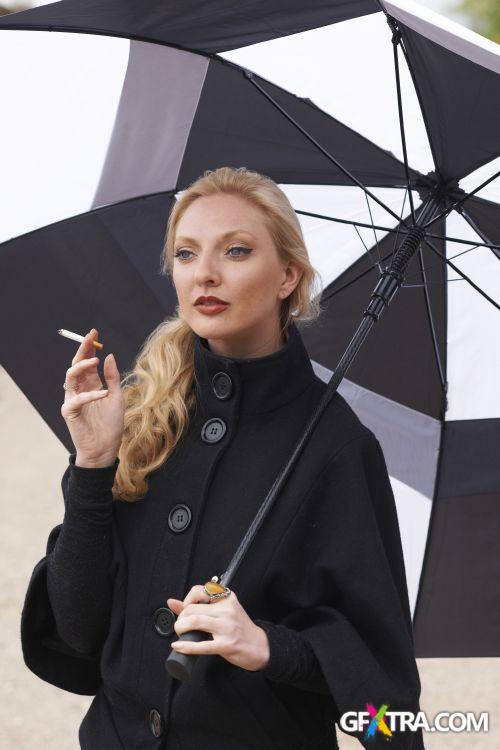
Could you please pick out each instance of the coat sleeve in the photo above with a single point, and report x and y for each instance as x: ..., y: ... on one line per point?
x: 292, y: 659
x: 45, y: 653
x: 346, y: 591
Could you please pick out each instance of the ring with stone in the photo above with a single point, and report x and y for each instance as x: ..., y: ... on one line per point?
x: 216, y: 590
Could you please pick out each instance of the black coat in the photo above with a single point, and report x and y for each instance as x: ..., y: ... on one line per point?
x: 327, y: 562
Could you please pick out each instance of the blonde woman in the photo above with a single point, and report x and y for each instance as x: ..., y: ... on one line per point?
x: 172, y: 462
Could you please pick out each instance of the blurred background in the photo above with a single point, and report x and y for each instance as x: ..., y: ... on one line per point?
x: 37, y: 715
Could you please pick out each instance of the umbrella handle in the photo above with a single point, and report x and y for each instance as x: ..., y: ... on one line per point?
x: 180, y: 665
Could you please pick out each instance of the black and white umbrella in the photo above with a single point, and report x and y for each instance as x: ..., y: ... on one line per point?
x: 361, y: 122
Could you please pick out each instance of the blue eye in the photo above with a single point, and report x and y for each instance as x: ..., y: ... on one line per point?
x: 246, y: 250
x: 178, y: 253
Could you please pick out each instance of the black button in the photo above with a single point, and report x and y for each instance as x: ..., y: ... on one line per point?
x: 163, y: 620
x: 213, y: 430
x: 179, y: 517
x: 222, y: 385
x: 156, y: 722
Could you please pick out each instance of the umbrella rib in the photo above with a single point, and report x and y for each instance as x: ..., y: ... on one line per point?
x: 374, y: 232
x: 431, y: 319
x: 401, y: 220
x: 344, y: 221
x: 352, y: 281
x: 463, y: 242
x: 396, y: 40
x: 395, y: 230
x: 391, y: 20
x: 368, y: 252
x: 461, y: 273
x: 250, y: 76
x: 468, y: 218
x: 452, y: 257
x: 421, y: 105
x: 428, y: 283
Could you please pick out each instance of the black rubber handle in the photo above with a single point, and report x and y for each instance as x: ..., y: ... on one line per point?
x: 180, y: 665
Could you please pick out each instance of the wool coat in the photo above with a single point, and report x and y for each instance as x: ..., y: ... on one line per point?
x: 326, y: 567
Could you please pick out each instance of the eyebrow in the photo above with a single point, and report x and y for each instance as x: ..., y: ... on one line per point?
x: 224, y: 236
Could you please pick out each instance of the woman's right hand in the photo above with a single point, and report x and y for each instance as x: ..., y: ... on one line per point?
x: 95, y: 418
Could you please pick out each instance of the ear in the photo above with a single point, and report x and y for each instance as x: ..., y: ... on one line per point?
x: 293, y: 274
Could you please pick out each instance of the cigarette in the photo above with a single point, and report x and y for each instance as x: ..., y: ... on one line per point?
x: 77, y: 337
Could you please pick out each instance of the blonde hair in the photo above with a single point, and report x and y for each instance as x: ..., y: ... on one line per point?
x: 159, y: 391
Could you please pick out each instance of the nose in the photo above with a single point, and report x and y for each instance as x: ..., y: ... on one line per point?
x: 207, y: 268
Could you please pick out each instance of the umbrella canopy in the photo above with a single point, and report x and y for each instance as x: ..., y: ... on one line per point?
x: 360, y: 122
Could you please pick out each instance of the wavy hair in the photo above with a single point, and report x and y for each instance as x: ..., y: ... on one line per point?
x: 158, y: 390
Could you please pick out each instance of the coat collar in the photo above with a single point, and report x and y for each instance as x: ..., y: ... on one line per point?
x: 256, y: 385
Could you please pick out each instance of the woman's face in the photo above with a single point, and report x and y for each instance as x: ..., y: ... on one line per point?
x: 223, y: 249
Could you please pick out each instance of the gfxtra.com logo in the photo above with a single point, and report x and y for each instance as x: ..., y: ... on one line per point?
x: 377, y: 724
x: 384, y: 723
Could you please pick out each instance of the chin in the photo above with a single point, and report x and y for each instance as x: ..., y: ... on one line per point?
x: 210, y: 327
x: 224, y: 331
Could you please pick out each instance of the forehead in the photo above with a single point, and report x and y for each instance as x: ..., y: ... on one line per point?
x: 223, y: 236
x: 220, y: 216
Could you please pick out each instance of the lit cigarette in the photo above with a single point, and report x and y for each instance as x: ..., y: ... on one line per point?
x: 77, y: 337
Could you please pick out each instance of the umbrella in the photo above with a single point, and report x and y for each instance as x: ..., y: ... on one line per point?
x: 364, y: 112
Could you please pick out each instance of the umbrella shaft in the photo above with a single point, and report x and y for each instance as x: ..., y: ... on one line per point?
x: 387, y: 286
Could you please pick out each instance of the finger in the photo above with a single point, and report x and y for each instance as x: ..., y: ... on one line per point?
x: 85, y: 349
x: 199, y: 608
x: 75, y: 372
x: 202, y: 600
x: 208, y: 621
x: 75, y: 369
x: 196, y: 647
x: 71, y: 408
x: 111, y: 373
x: 82, y: 349
x: 199, y: 622
x: 196, y: 594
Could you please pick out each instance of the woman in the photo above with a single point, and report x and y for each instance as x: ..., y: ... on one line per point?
x: 171, y: 465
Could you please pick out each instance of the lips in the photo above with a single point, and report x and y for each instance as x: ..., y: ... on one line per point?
x: 211, y: 305
x: 210, y: 301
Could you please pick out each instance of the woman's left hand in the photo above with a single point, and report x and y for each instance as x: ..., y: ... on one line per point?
x: 235, y: 636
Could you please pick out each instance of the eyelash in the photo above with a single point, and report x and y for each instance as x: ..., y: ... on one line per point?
x: 234, y: 247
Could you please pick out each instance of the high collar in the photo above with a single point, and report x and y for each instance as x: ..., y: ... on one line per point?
x: 258, y: 384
